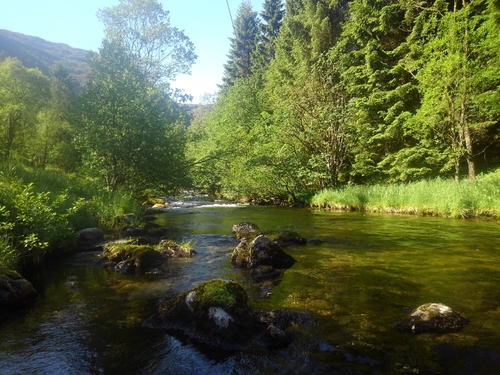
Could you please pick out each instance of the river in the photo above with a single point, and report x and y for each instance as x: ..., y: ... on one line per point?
x: 368, y: 272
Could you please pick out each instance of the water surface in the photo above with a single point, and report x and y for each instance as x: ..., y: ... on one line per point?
x: 368, y: 272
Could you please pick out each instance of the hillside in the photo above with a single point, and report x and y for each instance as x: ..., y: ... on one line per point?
x: 35, y: 52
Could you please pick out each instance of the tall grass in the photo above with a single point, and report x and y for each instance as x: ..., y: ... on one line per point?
x: 443, y: 197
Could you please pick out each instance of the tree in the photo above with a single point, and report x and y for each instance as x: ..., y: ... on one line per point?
x: 371, y: 54
x: 24, y: 92
x: 129, y: 134
x: 272, y: 16
x: 459, y: 80
x: 51, y: 142
x: 143, y: 28
x: 243, y: 45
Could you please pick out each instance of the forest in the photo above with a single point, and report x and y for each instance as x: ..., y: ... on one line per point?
x: 320, y: 94
x: 317, y: 97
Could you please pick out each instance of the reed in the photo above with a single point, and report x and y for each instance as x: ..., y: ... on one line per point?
x: 443, y: 197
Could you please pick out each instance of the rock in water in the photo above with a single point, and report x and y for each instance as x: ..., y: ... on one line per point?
x: 245, y: 230
x: 432, y: 318
x: 215, y: 312
x: 260, y: 252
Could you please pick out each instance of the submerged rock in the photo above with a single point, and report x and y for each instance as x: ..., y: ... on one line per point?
x: 287, y: 237
x: 260, y: 252
x: 217, y: 313
x: 245, y: 230
x: 432, y: 318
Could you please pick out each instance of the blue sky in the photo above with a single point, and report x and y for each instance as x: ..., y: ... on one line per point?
x: 74, y: 22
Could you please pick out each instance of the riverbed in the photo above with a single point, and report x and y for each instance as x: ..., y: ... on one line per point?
x: 358, y: 275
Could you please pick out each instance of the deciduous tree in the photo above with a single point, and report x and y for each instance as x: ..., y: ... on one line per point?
x: 144, y: 29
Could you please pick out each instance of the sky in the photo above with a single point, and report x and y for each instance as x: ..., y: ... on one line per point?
x: 74, y: 22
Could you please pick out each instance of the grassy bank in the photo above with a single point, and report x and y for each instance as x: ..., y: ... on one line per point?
x: 40, y: 211
x: 443, y: 197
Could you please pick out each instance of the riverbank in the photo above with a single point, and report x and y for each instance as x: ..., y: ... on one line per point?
x: 437, y: 197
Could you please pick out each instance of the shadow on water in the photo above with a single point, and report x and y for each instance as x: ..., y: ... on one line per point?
x: 363, y: 274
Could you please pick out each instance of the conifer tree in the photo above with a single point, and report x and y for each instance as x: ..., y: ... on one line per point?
x: 243, y: 45
x: 272, y: 16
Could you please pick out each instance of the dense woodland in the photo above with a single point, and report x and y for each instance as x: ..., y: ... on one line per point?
x: 316, y: 94
x: 320, y: 94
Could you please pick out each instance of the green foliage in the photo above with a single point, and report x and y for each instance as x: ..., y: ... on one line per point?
x: 357, y: 92
x: 131, y: 134
x: 24, y: 93
x: 40, y: 211
x: 459, y: 81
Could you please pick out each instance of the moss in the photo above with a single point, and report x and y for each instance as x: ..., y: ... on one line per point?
x: 219, y: 293
x: 4, y: 271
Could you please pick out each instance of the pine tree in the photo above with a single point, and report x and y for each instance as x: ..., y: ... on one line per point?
x: 243, y: 45
x: 272, y: 16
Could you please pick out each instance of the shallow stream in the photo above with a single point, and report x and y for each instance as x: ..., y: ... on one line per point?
x: 369, y: 272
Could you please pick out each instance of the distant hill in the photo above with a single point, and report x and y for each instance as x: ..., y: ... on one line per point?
x: 35, y: 52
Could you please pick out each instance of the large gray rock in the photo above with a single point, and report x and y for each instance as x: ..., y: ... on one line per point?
x: 260, y: 252
x: 91, y: 234
x: 432, y: 317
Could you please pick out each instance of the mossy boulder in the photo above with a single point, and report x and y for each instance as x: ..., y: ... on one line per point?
x: 14, y: 289
x: 245, y: 230
x: 217, y: 313
x: 432, y: 318
x: 260, y: 252
x: 175, y: 250
x: 126, y: 258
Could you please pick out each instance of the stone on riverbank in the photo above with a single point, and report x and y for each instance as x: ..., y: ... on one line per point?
x: 432, y: 318
x: 14, y: 288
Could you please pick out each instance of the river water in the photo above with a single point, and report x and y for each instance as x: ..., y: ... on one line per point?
x: 368, y: 272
